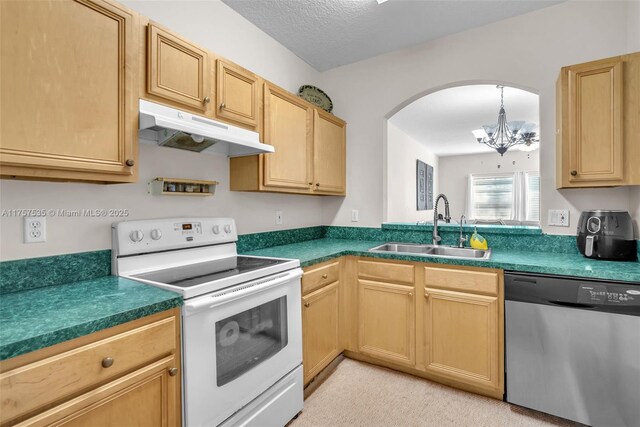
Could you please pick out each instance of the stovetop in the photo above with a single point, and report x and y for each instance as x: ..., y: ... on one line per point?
x: 205, y: 272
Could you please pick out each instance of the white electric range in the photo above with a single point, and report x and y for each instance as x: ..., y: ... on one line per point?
x: 241, y: 318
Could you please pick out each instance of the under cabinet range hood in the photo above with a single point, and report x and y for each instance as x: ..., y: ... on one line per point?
x: 179, y: 129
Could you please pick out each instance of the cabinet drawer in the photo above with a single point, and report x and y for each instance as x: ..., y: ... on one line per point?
x: 462, y: 280
x: 317, y: 277
x: 31, y: 386
x: 400, y: 273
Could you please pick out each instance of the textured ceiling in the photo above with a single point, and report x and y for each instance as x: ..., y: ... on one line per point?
x: 330, y: 33
x: 443, y: 120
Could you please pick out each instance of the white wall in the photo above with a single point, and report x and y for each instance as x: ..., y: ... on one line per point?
x: 401, y: 172
x: 526, y: 51
x: 455, y: 170
x: 211, y: 24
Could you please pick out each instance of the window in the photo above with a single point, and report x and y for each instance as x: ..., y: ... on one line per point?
x: 533, y: 196
x: 512, y: 197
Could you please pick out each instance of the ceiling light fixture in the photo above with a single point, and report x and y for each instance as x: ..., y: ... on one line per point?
x: 503, y: 135
x: 381, y: 1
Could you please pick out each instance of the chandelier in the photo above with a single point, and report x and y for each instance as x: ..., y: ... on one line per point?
x: 503, y: 135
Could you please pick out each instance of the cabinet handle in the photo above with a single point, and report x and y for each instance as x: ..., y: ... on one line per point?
x: 311, y: 183
x: 324, y: 276
x: 317, y: 184
x: 222, y: 106
x: 107, y: 362
x: 574, y: 173
x: 130, y: 162
x: 206, y: 100
x: 306, y: 304
x: 173, y: 372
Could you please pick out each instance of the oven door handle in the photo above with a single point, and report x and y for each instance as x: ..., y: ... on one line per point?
x: 240, y: 291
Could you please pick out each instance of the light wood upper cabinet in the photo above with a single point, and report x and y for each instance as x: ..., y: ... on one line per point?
x: 386, y: 327
x: 288, y: 127
x: 125, y: 375
x: 310, y: 144
x: 69, y: 90
x: 319, y: 329
x: 237, y: 94
x: 329, y: 153
x: 177, y: 70
x: 598, y: 135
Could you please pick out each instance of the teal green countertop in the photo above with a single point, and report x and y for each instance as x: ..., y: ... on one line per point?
x: 38, y: 318
x: 315, y: 251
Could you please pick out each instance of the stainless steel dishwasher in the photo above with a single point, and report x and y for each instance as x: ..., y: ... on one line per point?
x: 573, y: 348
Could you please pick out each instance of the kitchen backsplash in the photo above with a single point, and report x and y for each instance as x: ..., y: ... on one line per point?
x: 31, y: 273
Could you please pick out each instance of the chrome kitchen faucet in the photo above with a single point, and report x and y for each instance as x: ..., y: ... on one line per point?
x: 447, y: 217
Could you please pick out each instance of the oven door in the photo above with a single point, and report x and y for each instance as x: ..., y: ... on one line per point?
x: 237, y: 343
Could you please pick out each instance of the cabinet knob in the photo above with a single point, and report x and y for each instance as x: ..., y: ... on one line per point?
x: 324, y: 276
x: 107, y: 362
x: 173, y: 372
x: 306, y: 304
x: 411, y: 294
x: 222, y: 106
x: 206, y: 100
x: 311, y: 183
x: 130, y: 162
x: 574, y: 173
x: 317, y: 184
x: 426, y: 295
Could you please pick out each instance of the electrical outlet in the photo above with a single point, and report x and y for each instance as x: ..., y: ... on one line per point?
x: 355, y: 215
x: 278, y: 217
x: 559, y: 217
x: 35, y: 229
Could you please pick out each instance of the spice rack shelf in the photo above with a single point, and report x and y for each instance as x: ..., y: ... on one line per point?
x: 162, y: 186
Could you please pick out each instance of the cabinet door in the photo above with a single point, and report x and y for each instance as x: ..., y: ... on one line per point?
x: 319, y: 330
x: 462, y: 337
x: 68, y: 108
x: 177, y: 70
x: 387, y: 321
x: 237, y: 94
x: 287, y: 126
x: 595, y: 93
x: 329, y: 153
x: 149, y: 396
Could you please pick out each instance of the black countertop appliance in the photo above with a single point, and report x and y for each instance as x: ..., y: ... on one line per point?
x: 604, y: 234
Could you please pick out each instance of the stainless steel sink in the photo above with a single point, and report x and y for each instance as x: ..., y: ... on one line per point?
x: 433, y: 250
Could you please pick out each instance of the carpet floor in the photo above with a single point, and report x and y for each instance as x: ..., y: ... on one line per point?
x: 359, y: 394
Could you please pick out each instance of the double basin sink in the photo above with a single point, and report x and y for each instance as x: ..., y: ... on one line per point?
x: 433, y: 251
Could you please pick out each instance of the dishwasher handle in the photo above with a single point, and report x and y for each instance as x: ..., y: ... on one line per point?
x: 572, y: 304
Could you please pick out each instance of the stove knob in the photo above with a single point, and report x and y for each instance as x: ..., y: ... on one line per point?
x: 216, y: 229
x: 227, y: 228
x: 156, y: 234
x: 136, y: 235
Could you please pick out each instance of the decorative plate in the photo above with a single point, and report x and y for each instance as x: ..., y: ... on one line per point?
x: 316, y: 96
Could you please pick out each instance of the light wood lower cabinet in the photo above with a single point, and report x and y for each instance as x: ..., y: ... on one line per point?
x: 386, y: 321
x: 319, y: 329
x: 126, y: 375
x: 440, y: 322
x: 463, y: 326
x: 462, y: 337
x: 321, y: 288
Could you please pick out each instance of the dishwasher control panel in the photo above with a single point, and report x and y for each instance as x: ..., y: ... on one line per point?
x: 608, y: 295
x: 573, y: 292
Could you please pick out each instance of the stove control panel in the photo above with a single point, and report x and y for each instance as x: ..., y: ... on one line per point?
x: 136, y: 237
